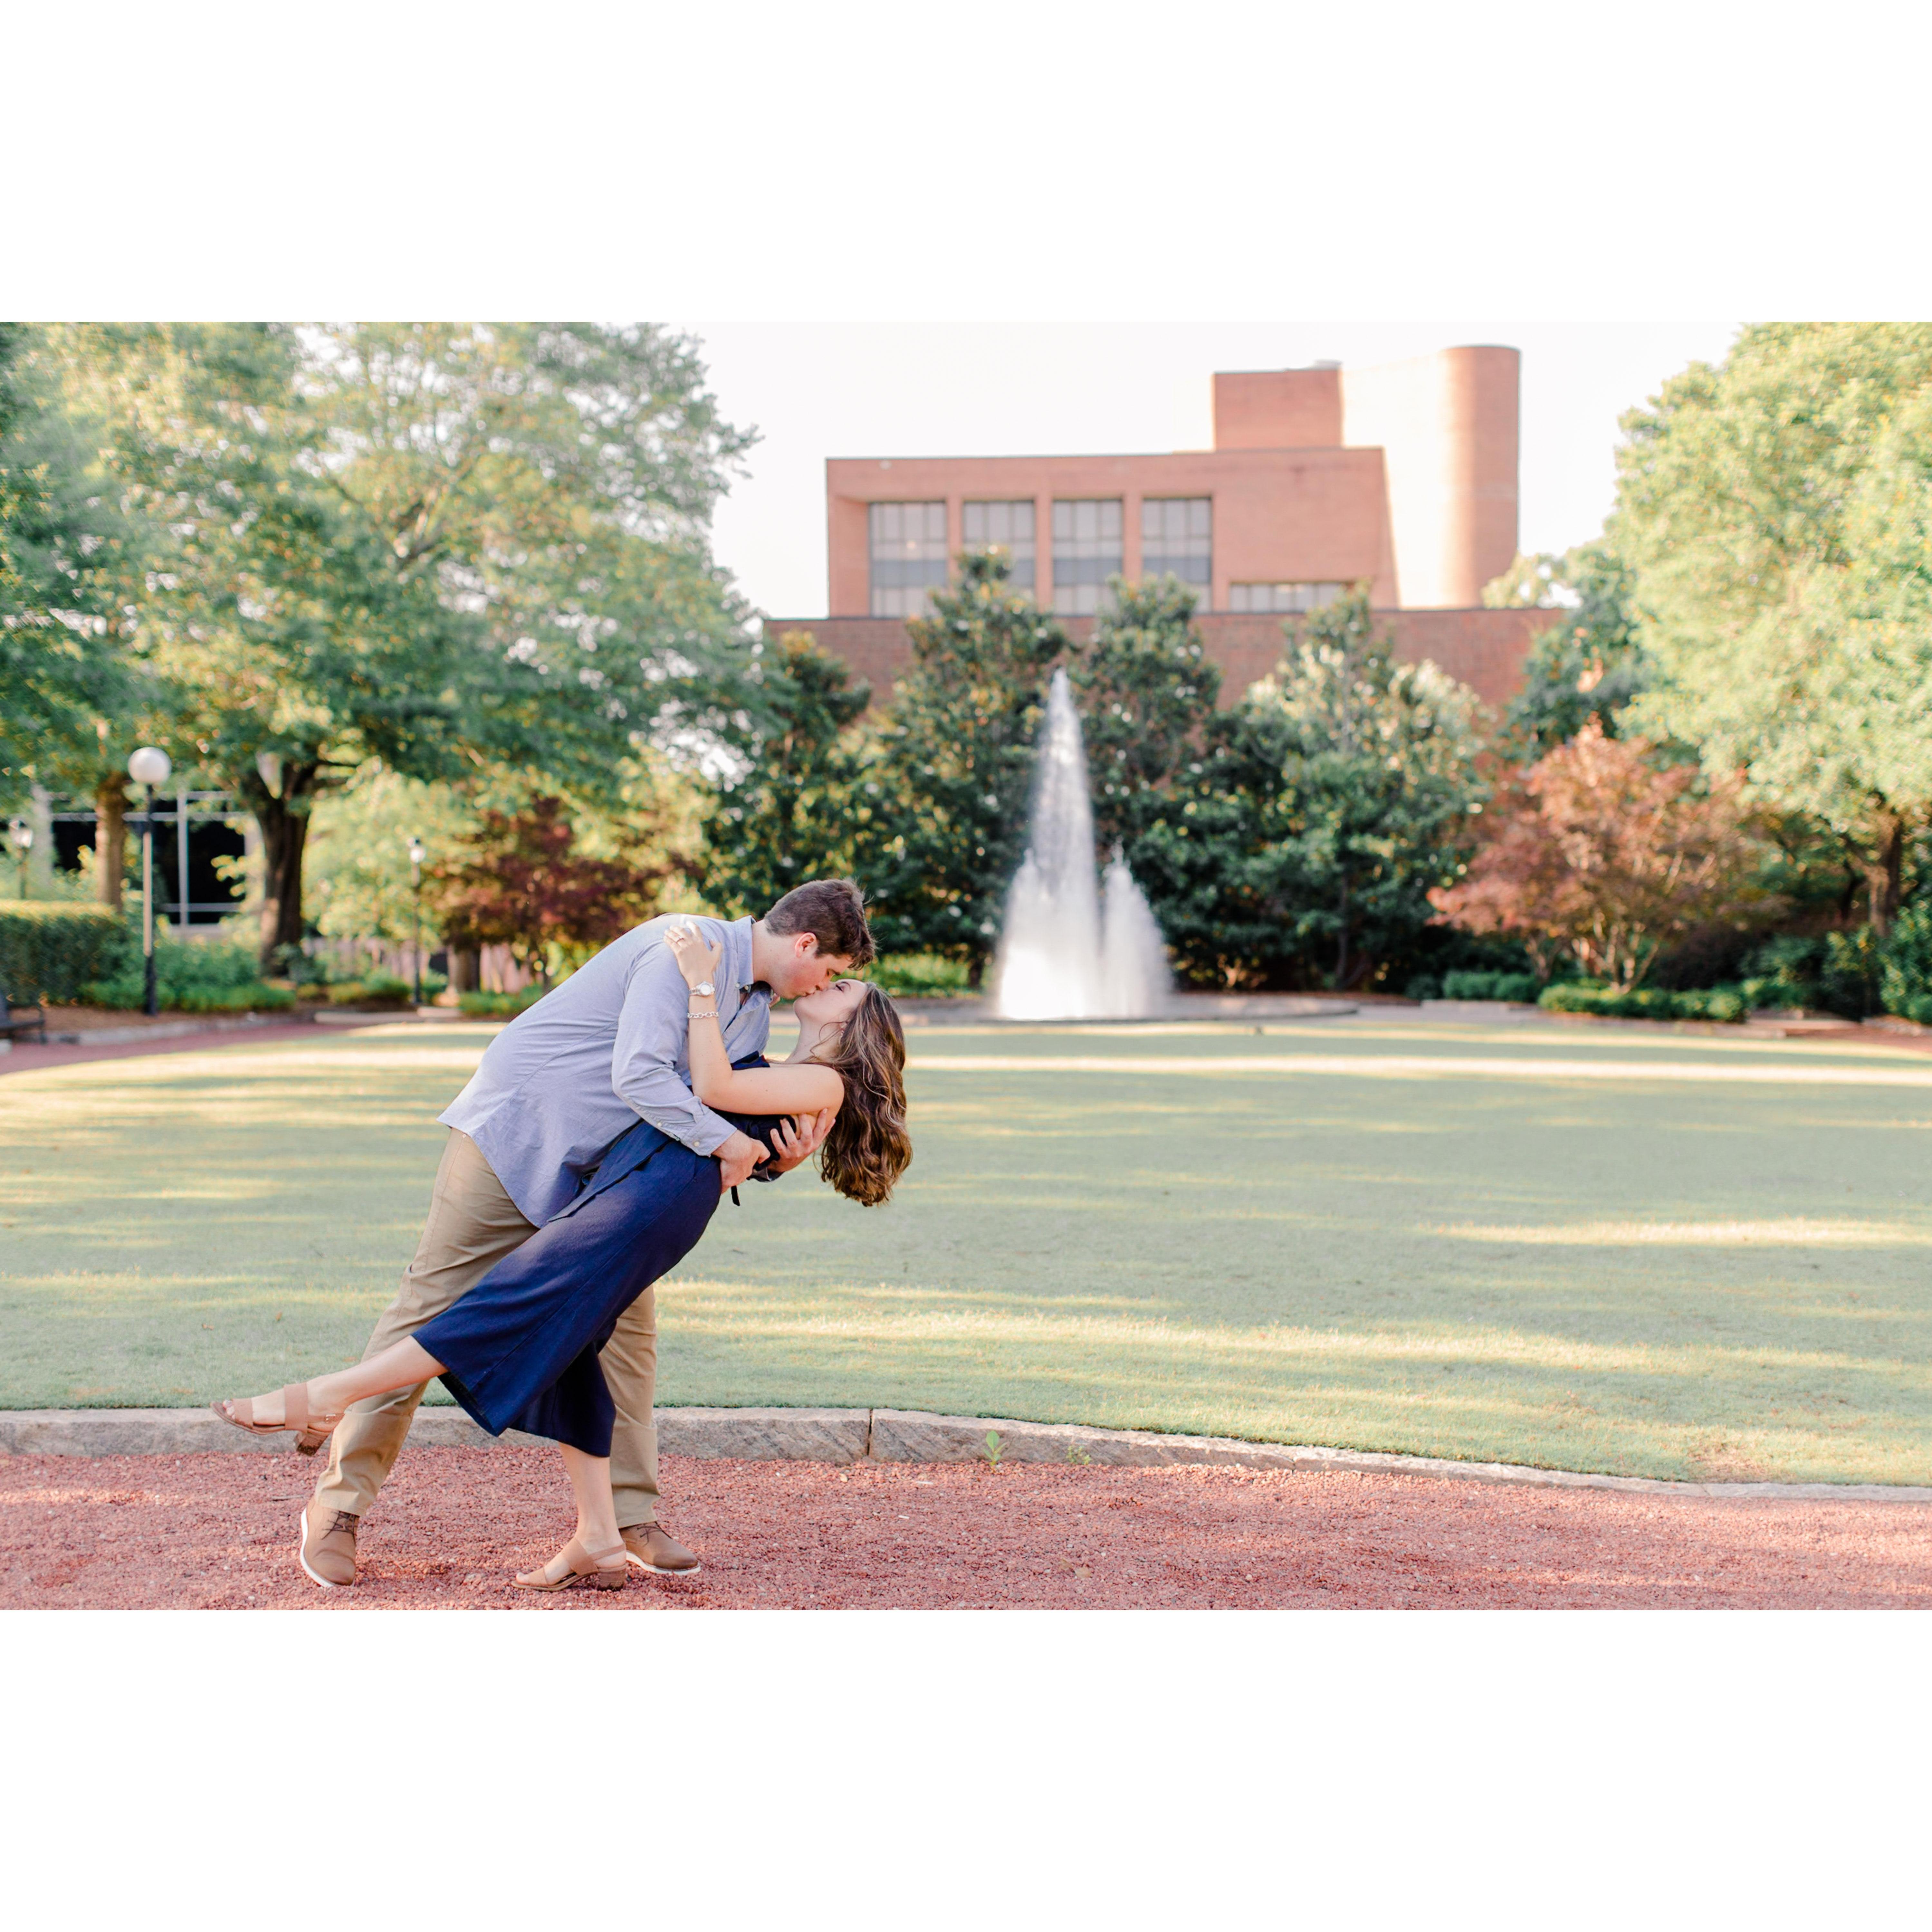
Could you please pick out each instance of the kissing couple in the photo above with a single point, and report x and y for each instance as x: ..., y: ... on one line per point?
x: 585, y: 1158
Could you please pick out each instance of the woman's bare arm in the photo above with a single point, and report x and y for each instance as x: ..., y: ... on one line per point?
x: 800, y: 1089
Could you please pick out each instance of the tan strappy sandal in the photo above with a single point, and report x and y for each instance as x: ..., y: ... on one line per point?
x: 586, y: 1566
x: 311, y: 1432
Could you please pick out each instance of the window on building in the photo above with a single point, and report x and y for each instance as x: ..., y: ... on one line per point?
x: 1286, y: 597
x: 1086, y: 553
x: 908, y: 557
x: 1177, y: 540
x: 1010, y: 526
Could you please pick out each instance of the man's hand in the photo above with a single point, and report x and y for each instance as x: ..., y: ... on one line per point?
x: 736, y: 1159
x: 799, y: 1138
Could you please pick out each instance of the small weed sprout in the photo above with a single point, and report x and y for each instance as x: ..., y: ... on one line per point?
x: 992, y: 1448
x: 1077, y: 1456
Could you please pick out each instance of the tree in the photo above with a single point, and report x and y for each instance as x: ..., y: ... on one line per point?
x: 1767, y: 506
x: 358, y: 882
x: 1147, y: 690
x: 1600, y: 853
x: 1587, y: 664
x: 1327, y: 804
x: 522, y: 885
x: 802, y: 801
x: 955, y: 763
x: 454, y: 548
x: 72, y: 689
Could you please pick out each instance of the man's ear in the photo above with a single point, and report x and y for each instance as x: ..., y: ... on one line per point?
x: 805, y: 945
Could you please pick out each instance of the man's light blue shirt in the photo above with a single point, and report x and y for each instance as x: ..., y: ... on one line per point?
x: 609, y: 1047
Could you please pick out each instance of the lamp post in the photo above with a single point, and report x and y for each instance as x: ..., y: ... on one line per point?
x: 21, y: 835
x: 148, y: 767
x: 418, y: 853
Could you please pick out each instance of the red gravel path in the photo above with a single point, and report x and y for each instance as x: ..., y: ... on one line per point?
x: 215, y: 1531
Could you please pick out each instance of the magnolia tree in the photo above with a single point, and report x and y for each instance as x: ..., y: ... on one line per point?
x: 802, y: 799
x: 1296, y: 844
x: 954, y: 760
x: 1598, y: 854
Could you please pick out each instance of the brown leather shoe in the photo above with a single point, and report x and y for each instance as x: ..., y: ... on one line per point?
x: 325, y: 1547
x: 650, y: 1547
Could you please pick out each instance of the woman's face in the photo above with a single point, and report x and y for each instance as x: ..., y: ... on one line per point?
x: 833, y: 1005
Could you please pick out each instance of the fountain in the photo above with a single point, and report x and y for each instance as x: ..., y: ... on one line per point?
x: 1071, y: 951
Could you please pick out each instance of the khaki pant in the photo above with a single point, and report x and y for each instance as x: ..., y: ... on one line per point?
x: 472, y: 1225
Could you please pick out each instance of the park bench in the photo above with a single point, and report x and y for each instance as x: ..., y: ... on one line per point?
x: 16, y: 1022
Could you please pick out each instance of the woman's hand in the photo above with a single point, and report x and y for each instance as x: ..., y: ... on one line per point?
x: 696, y: 960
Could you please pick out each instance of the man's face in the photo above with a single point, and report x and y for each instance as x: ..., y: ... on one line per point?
x: 804, y: 969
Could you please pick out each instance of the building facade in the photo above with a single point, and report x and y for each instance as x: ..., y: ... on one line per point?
x: 1402, y: 478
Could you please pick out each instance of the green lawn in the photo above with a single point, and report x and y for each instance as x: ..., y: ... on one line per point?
x: 1655, y: 1255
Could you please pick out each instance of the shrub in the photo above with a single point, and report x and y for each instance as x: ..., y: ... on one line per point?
x: 922, y: 976
x: 1520, y: 987
x: 373, y: 989
x: 1726, y: 1003
x: 1905, y: 961
x: 1840, y: 972
x: 260, y: 997
x: 497, y: 1006
x: 191, y: 977
x: 50, y: 950
x: 1424, y: 986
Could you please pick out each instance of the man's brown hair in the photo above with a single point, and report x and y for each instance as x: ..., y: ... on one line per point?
x: 833, y: 911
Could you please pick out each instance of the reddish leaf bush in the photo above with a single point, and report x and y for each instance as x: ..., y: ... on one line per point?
x: 523, y: 885
x: 1596, y: 853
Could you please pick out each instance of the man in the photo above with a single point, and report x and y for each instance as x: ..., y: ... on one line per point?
x: 609, y: 1047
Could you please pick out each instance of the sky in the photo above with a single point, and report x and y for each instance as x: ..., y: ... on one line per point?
x: 817, y: 388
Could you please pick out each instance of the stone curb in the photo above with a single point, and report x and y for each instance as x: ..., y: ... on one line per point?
x: 886, y: 1436
x: 132, y: 1035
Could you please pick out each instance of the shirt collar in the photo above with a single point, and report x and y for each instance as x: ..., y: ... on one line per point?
x: 737, y: 960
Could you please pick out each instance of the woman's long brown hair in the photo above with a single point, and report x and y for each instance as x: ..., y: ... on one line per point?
x: 867, y: 1148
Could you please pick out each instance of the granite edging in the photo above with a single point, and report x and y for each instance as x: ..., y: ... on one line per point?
x: 888, y: 1436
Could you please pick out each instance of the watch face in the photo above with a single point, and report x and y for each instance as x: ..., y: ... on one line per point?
x: 704, y: 986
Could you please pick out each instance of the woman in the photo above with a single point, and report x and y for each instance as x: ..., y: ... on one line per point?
x: 519, y: 1350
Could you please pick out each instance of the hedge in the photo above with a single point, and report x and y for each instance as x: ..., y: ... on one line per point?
x: 51, y: 948
x: 1646, y: 1003
x: 498, y: 1005
x: 193, y: 976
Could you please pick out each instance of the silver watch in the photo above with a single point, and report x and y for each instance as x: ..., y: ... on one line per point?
x: 706, y: 988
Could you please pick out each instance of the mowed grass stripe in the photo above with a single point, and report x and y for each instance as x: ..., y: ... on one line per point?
x: 1420, y: 1066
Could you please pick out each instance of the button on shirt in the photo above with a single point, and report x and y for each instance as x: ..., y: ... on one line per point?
x: 608, y: 1048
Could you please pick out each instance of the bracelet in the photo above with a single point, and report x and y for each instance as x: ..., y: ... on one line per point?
x: 692, y: 1013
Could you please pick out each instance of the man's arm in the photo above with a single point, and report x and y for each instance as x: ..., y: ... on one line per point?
x: 796, y: 1140
x: 652, y: 1031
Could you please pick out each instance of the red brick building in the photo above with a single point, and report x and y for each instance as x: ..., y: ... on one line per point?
x: 1402, y: 477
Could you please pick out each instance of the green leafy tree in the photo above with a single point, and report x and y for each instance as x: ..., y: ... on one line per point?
x: 455, y: 547
x: 801, y: 801
x: 75, y: 696
x: 955, y: 764
x: 1328, y: 804
x: 1772, y: 509
x: 1587, y: 664
x: 358, y: 881
x: 1147, y: 690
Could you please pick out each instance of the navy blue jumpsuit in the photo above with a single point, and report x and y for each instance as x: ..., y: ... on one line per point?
x: 519, y: 1350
